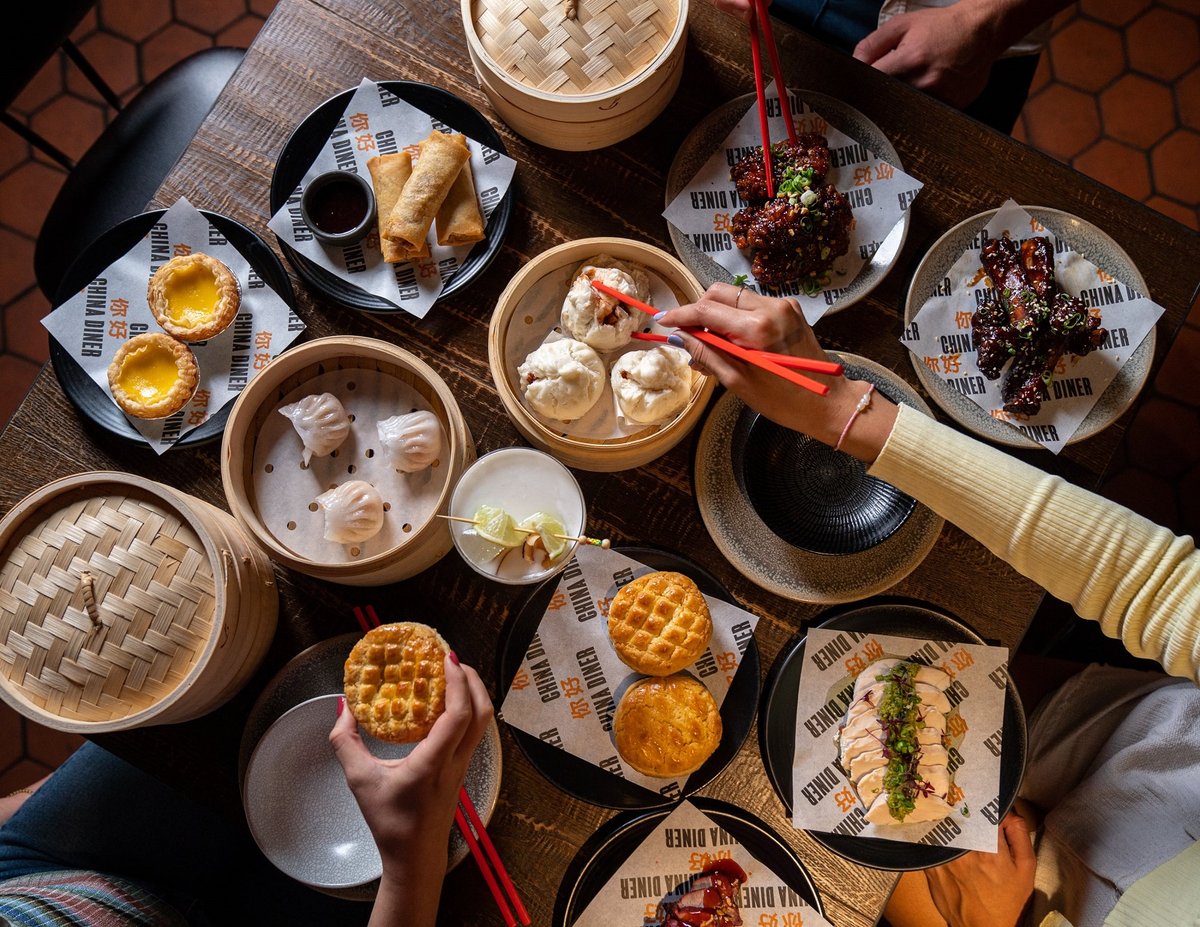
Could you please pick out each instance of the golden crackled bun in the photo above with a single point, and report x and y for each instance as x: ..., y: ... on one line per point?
x: 659, y: 623
x: 194, y: 297
x: 153, y: 375
x: 395, y: 681
x: 667, y: 727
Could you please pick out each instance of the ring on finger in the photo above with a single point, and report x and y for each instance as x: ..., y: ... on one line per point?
x: 737, y: 299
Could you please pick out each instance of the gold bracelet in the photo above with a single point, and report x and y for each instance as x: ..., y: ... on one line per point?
x: 19, y: 792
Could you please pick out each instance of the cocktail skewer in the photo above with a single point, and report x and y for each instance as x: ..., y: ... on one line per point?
x: 604, y: 543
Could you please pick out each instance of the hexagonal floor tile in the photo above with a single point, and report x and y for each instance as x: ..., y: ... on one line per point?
x: 1187, y: 97
x: 1137, y: 110
x: 17, y: 375
x: 1061, y: 121
x: 1177, y: 211
x: 1113, y: 12
x: 1174, y: 162
x: 169, y: 47
x: 23, y: 331
x: 134, y: 19
x: 1118, y: 165
x: 47, y: 83
x: 1163, y: 43
x: 209, y: 16
x: 26, y: 194
x: 16, y: 265
x: 241, y: 33
x: 113, y: 57
x: 70, y: 123
x: 1086, y: 54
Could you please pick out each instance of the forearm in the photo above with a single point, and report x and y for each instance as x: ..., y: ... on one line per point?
x: 1137, y: 579
x: 409, y: 900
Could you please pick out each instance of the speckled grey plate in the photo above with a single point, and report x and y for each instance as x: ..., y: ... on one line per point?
x: 315, y: 673
x: 711, y: 131
x: 765, y: 558
x: 1086, y: 240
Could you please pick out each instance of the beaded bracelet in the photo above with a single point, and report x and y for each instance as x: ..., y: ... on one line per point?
x: 864, y: 402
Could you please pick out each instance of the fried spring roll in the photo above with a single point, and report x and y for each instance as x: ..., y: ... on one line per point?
x: 459, y: 221
x: 388, y: 175
x: 439, y: 162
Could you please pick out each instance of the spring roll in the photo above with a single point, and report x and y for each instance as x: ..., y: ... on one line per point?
x: 388, y: 175
x: 440, y: 160
x: 459, y: 221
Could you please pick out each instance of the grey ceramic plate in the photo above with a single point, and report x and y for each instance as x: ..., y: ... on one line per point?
x: 703, y: 140
x: 317, y: 672
x: 1086, y: 240
x: 766, y: 559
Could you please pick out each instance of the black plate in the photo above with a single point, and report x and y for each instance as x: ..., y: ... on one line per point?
x: 777, y: 726
x: 591, y: 783
x: 89, y: 397
x: 303, y: 145
x: 607, y: 850
x: 810, y: 495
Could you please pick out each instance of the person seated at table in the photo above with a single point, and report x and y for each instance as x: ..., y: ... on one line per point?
x: 1114, y: 754
x: 102, y: 844
x: 977, y: 55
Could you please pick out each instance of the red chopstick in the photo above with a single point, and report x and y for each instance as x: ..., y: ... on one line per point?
x: 783, y: 360
x: 776, y: 69
x: 763, y: 125
x: 368, y: 621
x: 725, y: 345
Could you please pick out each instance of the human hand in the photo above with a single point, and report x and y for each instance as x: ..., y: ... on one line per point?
x: 946, y: 51
x: 987, y: 889
x: 742, y: 9
x: 409, y: 803
x: 764, y: 323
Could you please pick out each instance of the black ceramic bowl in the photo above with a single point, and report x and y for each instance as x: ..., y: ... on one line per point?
x: 810, y: 495
x: 339, y: 207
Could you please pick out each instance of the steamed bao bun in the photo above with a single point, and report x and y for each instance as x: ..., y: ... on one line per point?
x: 652, y: 385
x: 562, y: 379
x: 597, y: 319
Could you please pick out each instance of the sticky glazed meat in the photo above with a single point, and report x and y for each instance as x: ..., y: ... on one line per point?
x: 1031, y: 321
x: 749, y: 175
x: 711, y: 899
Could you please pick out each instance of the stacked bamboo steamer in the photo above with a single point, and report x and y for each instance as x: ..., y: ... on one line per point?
x: 125, y: 603
x: 425, y: 541
x: 577, y: 74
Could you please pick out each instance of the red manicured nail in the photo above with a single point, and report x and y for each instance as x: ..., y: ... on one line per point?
x: 341, y: 704
x: 454, y: 658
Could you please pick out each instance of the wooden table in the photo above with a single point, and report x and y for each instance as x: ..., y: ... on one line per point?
x: 309, y: 50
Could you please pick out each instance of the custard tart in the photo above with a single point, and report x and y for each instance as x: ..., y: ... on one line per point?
x: 193, y: 297
x: 153, y: 375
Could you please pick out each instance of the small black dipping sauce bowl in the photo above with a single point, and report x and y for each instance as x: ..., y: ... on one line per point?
x: 339, y: 207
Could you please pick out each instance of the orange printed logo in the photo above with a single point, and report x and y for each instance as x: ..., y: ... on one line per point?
x: 521, y: 680
x: 845, y: 799
x: 571, y: 686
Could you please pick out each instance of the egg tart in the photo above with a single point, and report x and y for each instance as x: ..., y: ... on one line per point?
x: 193, y: 297
x: 153, y: 375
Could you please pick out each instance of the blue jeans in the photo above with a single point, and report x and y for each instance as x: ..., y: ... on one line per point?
x: 99, y: 813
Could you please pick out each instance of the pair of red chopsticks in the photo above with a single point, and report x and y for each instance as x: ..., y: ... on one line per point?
x: 758, y: 13
x: 371, y: 620
x: 777, y: 364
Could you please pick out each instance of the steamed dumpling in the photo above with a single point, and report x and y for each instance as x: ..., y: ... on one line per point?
x: 562, y: 379
x: 413, y: 441
x: 652, y: 385
x: 353, y: 512
x: 320, y: 421
x: 597, y: 319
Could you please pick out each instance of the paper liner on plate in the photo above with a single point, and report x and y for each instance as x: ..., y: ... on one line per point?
x: 823, y: 798
x: 285, y: 491
x: 570, y: 680
x: 682, y: 844
x: 940, y: 333
x: 377, y: 122
x: 536, y: 322
x: 879, y: 194
x: 93, y: 325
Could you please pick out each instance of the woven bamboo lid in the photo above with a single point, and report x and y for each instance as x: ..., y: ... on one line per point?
x: 108, y: 602
x: 605, y: 44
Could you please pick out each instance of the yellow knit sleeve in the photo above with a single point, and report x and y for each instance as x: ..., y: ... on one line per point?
x: 1137, y: 579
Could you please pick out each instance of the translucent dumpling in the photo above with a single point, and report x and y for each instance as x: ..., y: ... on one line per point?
x: 353, y: 512
x: 320, y: 421
x: 413, y: 441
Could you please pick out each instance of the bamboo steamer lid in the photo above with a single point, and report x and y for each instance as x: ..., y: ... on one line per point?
x: 425, y: 542
x: 124, y: 602
x: 577, y: 82
x: 511, y: 316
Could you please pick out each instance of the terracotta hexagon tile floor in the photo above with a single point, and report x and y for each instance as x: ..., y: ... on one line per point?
x: 1117, y: 95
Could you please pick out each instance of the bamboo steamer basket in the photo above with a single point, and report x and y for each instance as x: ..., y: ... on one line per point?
x: 577, y: 84
x: 427, y: 542
x: 125, y: 603
x: 598, y: 455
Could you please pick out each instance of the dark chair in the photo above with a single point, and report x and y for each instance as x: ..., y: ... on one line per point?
x: 120, y: 173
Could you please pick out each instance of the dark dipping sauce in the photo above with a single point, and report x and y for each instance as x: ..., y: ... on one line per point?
x: 338, y: 206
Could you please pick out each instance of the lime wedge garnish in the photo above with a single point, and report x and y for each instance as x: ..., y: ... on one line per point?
x: 547, y: 526
x: 496, y: 525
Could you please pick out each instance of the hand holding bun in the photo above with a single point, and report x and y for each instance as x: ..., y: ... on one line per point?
x: 667, y: 727
x: 659, y: 623
x: 395, y: 681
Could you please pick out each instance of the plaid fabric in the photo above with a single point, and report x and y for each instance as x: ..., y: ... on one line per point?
x: 77, y: 898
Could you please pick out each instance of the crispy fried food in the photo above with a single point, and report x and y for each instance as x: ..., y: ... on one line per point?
x: 395, y: 681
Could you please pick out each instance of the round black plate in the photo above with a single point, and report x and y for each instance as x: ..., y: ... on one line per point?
x: 810, y: 495
x: 607, y: 850
x: 89, y: 397
x: 777, y: 726
x: 305, y: 142
x: 590, y: 783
